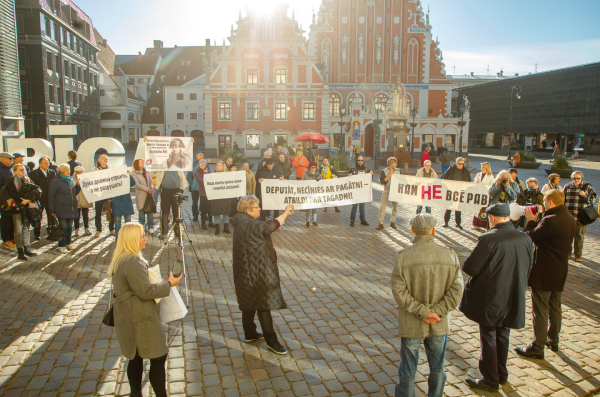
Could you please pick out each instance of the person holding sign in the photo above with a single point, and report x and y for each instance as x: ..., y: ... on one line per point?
x: 62, y: 203
x: 177, y: 158
x: 457, y: 172
x: 102, y: 164
x: 311, y: 175
x: 359, y: 168
x: 269, y: 171
x: 255, y: 271
x: 220, y: 208
x: 122, y: 207
x: 384, y: 179
x: 83, y: 212
x: 144, y: 186
x: 426, y: 172
x: 205, y: 215
x: 327, y: 171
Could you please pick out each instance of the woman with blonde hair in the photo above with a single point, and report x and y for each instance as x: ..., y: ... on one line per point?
x: 487, y: 178
x: 136, y: 314
x: 221, y: 208
x: 553, y: 181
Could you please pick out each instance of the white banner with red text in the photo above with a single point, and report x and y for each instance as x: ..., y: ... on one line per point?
x: 439, y: 193
x: 304, y: 195
x: 105, y: 184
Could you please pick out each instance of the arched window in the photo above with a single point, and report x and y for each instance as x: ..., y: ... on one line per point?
x: 412, y: 58
x: 335, y: 104
x: 272, y: 29
x: 381, y: 98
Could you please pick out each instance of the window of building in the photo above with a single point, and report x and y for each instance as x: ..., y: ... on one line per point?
x: 280, y: 76
x: 193, y: 116
x: 179, y: 97
x: 224, y: 111
x: 85, y: 78
x: 48, y: 27
x: 71, y: 41
x: 59, y: 95
x: 335, y: 103
x: 74, y: 99
x: 49, y: 62
x: 252, y: 111
x: 50, y: 93
x: 65, y: 38
x: 252, y: 142
x: 20, y: 22
x: 57, y: 63
x: 131, y: 116
x: 66, y: 68
x: 180, y: 116
x: 101, y: 92
x: 73, y: 71
x: 22, y: 58
x: 280, y: 139
x: 68, y: 98
x: 79, y: 74
x: 154, y: 111
x: 260, y: 29
x: 81, y: 102
x: 381, y: 98
x: 193, y: 96
x: 252, y: 76
x: 280, y: 111
x: 95, y: 80
x: 309, y: 111
x: 272, y: 29
x: 24, y: 91
x: 56, y: 33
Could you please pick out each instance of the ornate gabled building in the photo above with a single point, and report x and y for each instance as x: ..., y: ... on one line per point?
x: 363, y: 47
x: 265, y: 87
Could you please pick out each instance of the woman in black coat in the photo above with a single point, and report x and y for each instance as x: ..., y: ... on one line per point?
x: 255, y: 272
x: 221, y: 208
x: 62, y: 202
x: 20, y: 210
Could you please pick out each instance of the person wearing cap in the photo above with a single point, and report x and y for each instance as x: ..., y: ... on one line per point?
x: 6, y: 222
x: 73, y: 161
x: 494, y: 295
x: 427, y: 284
x: 42, y: 176
x: 457, y: 172
x: 19, y: 158
x: 385, y: 179
x: 552, y: 237
x: 194, y: 187
x: 311, y: 175
x: 513, y: 174
x: 83, y: 212
x: 178, y: 159
x: 268, y: 171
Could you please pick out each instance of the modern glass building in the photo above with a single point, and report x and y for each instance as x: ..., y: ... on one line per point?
x: 11, y: 115
x: 559, y: 106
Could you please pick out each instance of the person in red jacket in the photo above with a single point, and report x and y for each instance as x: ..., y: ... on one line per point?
x: 425, y: 156
x: 300, y: 164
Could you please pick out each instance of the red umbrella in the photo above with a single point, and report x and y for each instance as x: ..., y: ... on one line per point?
x: 312, y: 137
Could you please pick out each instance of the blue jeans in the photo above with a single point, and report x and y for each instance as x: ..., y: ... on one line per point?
x: 118, y: 223
x: 435, y: 347
x: 142, y: 219
x: 67, y: 227
x: 314, y: 214
x: 361, y: 208
x: 217, y: 219
x: 445, y: 168
x: 420, y: 208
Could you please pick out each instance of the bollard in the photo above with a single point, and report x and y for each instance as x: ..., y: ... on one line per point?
x: 406, y: 167
x: 468, y: 163
x: 437, y: 160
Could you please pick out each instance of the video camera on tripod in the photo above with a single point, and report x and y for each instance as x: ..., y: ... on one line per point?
x: 180, y: 198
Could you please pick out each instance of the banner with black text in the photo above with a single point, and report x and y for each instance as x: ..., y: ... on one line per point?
x: 165, y: 153
x: 105, y: 184
x: 277, y: 194
x: 439, y: 193
x: 222, y: 185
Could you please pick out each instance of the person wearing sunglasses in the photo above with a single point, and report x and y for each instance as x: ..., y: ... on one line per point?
x: 457, y: 172
x: 577, y: 195
x: 359, y: 168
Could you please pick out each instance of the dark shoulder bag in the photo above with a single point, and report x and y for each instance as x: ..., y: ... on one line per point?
x: 55, y: 232
x: 149, y: 205
x: 589, y: 214
x: 109, y: 318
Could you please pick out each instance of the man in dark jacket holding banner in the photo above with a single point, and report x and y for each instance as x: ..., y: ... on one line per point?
x: 42, y: 176
x: 268, y: 171
x: 457, y: 172
x: 494, y: 296
x: 552, y: 237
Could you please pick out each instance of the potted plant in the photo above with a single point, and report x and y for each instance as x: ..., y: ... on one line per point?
x: 528, y: 161
x: 561, y: 166
x: 238, y: 158
x: 340, y: 162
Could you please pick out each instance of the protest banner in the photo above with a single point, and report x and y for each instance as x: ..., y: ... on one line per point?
x: 304, y: 195
x: 168, y: 153
x: 105, y: 184
x: 222, y: 185
x: 439, y: 193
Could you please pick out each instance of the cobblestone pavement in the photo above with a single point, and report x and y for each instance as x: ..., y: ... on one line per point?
x: 340, y: 327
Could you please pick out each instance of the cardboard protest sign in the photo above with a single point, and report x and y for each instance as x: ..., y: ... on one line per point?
x: 221, y: 185
x: 439, y: 193
x: 104, y: 184
x: 277, y: 194
x: 168, y: 153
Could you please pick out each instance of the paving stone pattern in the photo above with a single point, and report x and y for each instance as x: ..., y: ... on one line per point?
x: 340, y: 327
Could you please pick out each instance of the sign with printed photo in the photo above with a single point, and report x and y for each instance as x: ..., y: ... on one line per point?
x: 168, y: 153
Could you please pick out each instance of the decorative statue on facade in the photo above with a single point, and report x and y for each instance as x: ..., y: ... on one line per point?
x: 401, y: 100
x: 466, y: 102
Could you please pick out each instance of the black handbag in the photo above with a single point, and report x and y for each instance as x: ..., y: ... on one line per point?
x: 149, y: 205
x: 109, y: 318
x: 55, y: 232
x: 589, y: 214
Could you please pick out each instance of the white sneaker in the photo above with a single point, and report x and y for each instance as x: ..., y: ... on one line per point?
x: 76, y: 234
x: 70, y: 247
x: 87, y: 232
x: 62, y: 250
x: 97, y: 234
x: 112, y: 232
x: 151, y: 232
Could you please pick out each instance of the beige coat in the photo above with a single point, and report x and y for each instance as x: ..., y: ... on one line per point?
x: 142, y: 186
x: 427, y: 278
x: 421, y: 173
x: 137, y: 316
x: 250, y: 182
x: 159, y: 175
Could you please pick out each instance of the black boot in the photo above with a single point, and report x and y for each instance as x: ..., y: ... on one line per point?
x: 211, y: 224
x: 226, y: 229
x: 217, y: 230
x: 27, y: 250
x: 204, y: 226
x: 136, y: 393
x: 22, y: 255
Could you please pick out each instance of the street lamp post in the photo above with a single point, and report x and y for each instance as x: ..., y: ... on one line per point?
x: 413, y: 125
x: 516, y: 88
x: 462, y: 123
x: 341, y: 124
x: 379, y: 107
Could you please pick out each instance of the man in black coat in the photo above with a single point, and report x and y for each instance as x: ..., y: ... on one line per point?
x: 6, y: 223
x: 552, y: 237
x: 268, y: 171
x: 457, y: 172
x: 42, y: 176
x: 494, y: 296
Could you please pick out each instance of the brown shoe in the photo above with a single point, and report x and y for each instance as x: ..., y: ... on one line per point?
x: 10, y: 244
x: 578, y: 259
x: 393, y: 225
x: 379, y: 227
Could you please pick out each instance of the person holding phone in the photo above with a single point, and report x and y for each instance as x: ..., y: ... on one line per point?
x: 255, y: 271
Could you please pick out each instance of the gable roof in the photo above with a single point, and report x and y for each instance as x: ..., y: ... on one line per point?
x: 136, y: 64
x: 106, y: 56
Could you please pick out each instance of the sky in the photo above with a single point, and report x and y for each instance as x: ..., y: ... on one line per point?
x: 513, y: 35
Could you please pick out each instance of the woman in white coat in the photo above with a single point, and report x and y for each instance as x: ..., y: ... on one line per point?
x: 143, y: 187
x: 487, y: 178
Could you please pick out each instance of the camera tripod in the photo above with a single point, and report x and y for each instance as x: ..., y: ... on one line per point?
x: 179, y: 225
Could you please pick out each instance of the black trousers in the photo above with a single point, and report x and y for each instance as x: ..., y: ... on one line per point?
x: 264, y: 214
x: 7, y: 229
x: 168, y: 202
x: 494, y: 354
x: 195, y: 204
x: 37, y: 229
x: 546, y: 306
x: 98, y: 206
x: 205, y: 210
x: 266, y: 323
x: 158, y: 378
x: 86, y: 218
x: 457, y: 216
